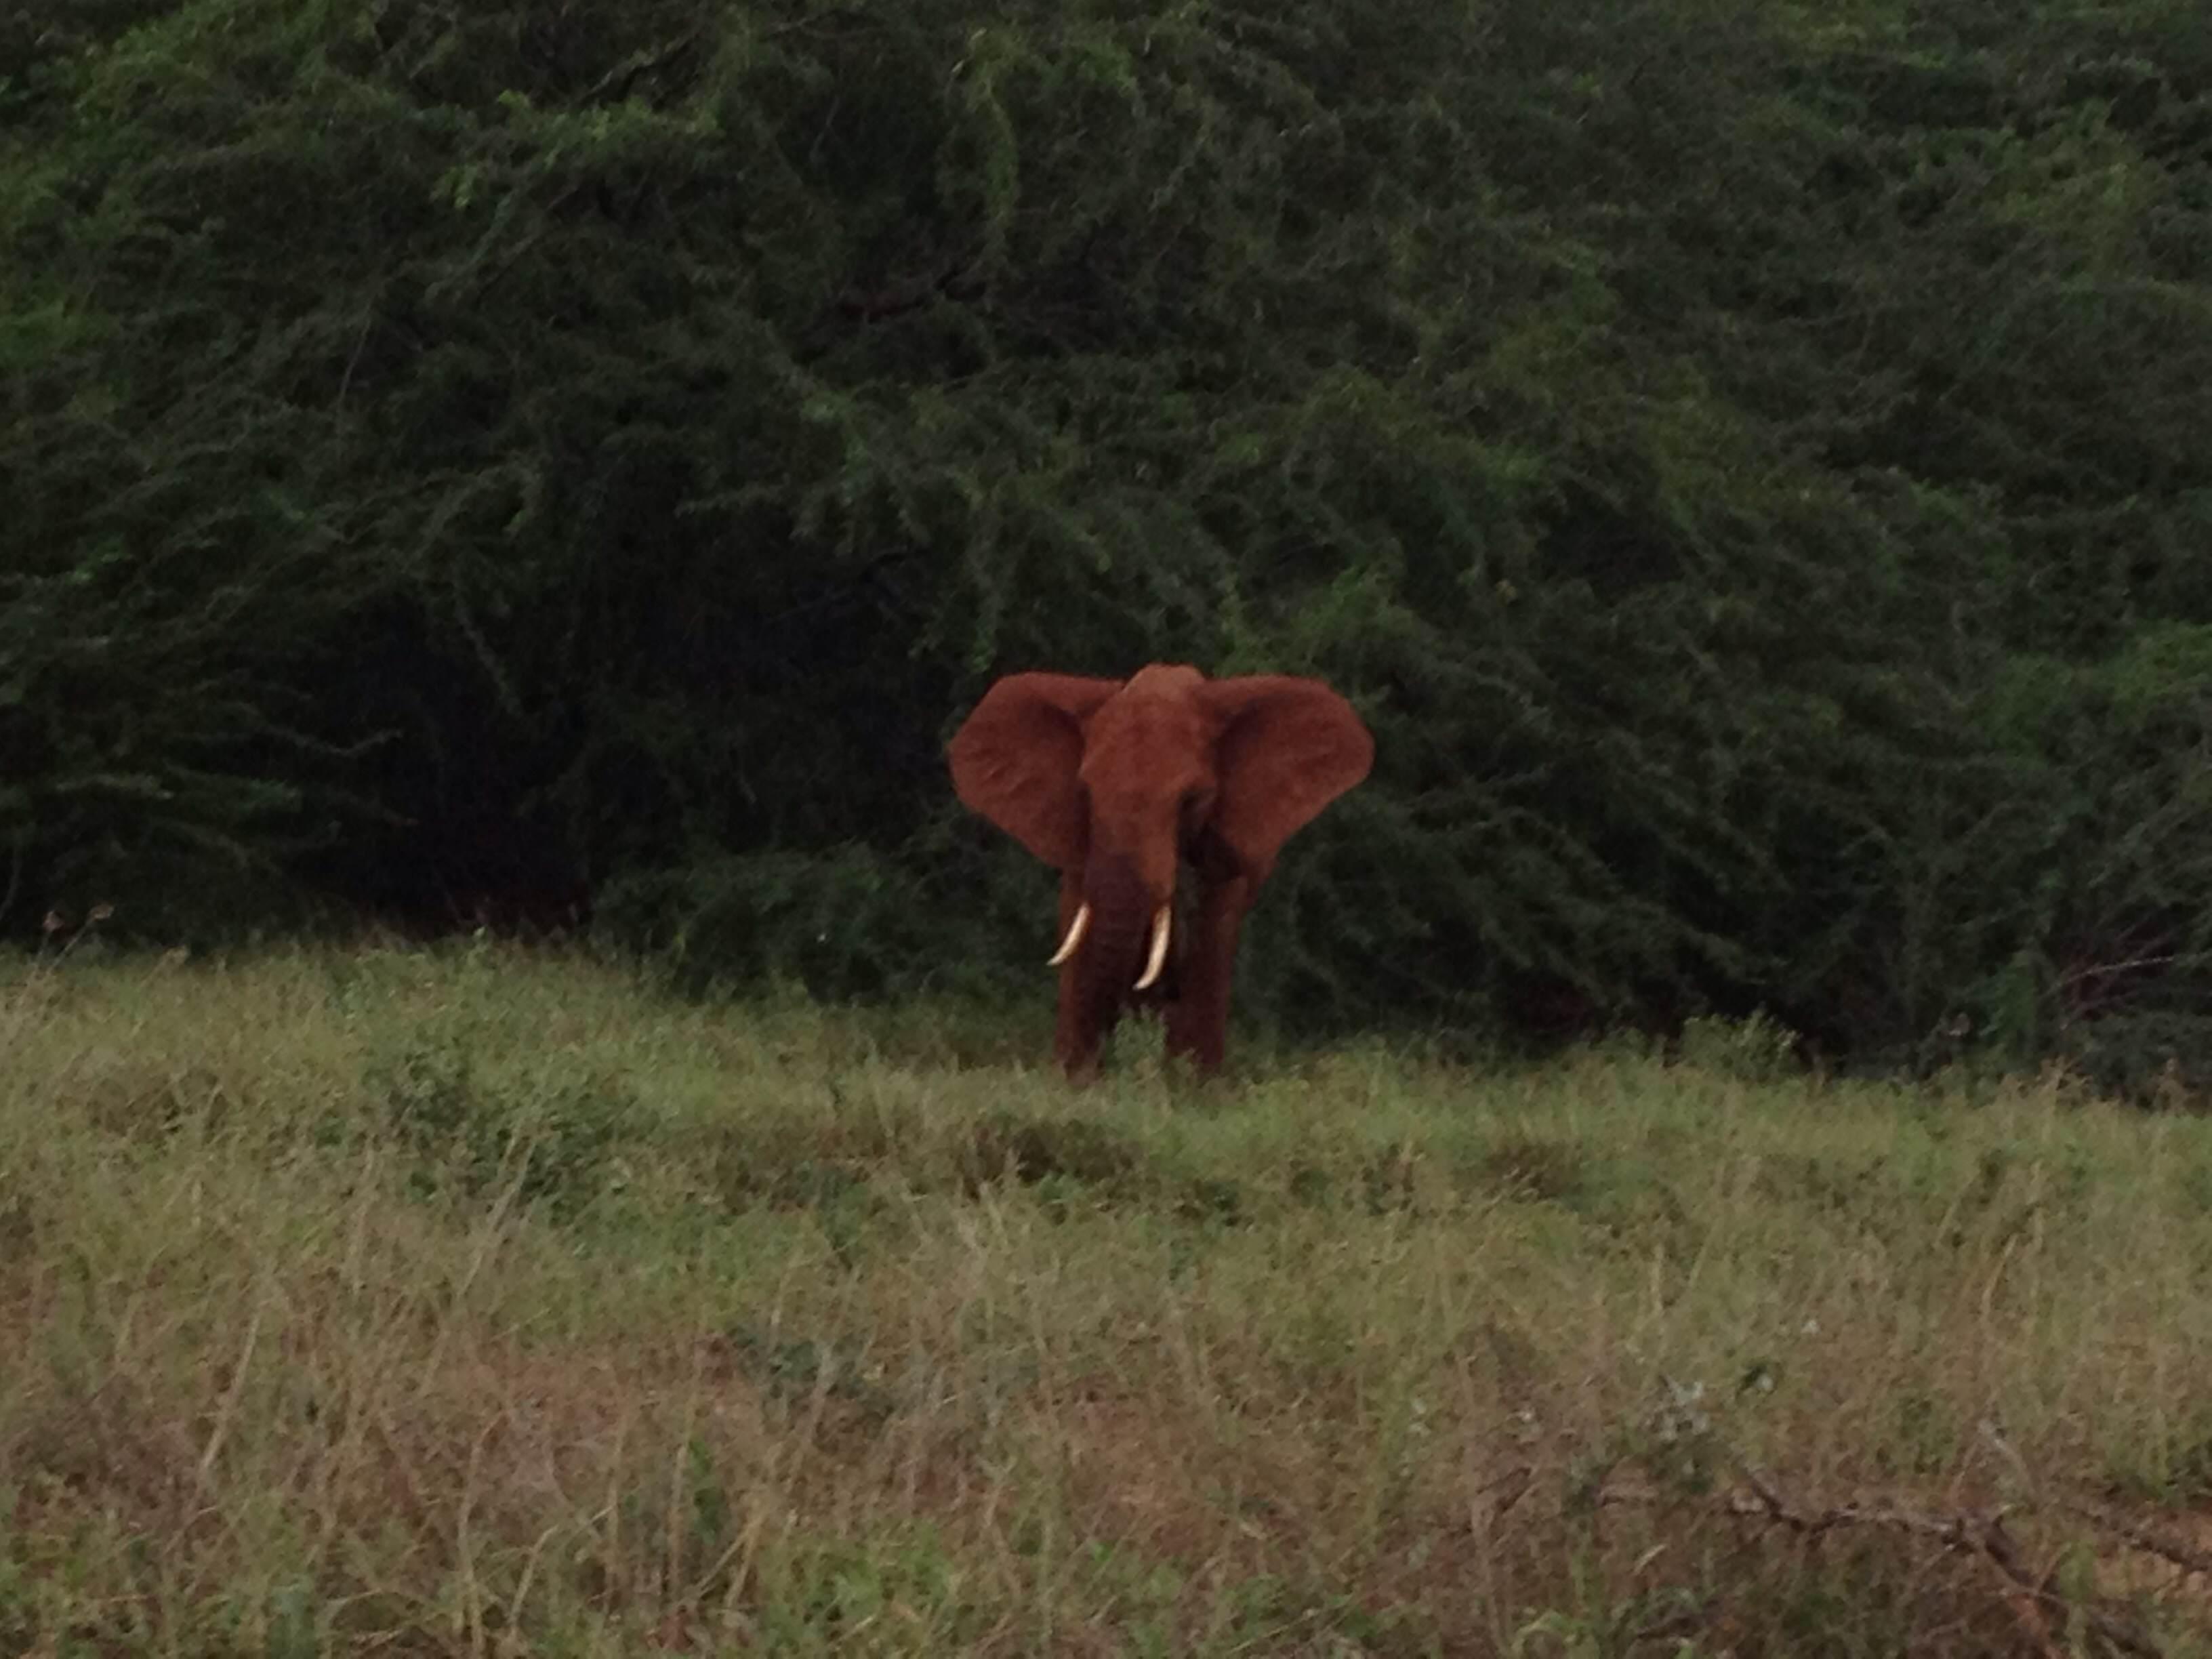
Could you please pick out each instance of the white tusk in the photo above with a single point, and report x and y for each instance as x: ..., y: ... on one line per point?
x: 1076, y: 929
x: 1158, y: 959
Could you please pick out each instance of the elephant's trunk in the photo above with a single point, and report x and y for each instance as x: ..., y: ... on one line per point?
x: 1111, y: 955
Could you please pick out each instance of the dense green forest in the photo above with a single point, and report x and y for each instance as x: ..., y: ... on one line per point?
x: 1751, y: 463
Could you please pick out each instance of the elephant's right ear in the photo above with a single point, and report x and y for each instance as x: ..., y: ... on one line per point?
x: 1015, y: 758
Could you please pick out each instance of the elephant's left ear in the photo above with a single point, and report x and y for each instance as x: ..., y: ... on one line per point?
x: 1288, y: 747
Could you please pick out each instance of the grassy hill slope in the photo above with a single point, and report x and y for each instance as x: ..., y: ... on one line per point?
x: 479, y: 1302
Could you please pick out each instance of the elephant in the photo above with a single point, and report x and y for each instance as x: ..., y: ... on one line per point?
x: 1120, y: 785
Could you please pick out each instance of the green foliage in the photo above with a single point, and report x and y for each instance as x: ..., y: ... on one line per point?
x: 829, y: 920
x: 1753, y: 1050
x: 472, y: 1138
x: 1745, y: 461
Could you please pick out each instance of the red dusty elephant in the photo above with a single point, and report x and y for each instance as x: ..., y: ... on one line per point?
x: 1116, y: 784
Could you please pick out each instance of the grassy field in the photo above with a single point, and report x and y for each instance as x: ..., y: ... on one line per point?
x: 482, y: 1302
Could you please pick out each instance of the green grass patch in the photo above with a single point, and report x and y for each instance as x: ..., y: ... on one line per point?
x: 475, y: 1301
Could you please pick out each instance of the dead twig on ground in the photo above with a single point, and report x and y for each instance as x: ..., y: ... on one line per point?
x: 1982, y: 1535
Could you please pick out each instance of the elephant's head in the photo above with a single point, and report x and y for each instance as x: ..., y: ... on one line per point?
x: 1117, y: 784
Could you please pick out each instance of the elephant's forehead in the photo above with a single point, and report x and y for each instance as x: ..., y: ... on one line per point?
x: 1163, y: 679
x: 1143, y: 738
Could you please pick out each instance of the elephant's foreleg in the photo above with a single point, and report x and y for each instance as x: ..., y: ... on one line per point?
x: 1085, y: 1017
x: 1198, y: 1020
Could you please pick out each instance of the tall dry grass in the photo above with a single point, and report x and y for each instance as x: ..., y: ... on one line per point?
x: 479, y: 1302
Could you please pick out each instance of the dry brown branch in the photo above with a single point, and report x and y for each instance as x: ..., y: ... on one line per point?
x: 2141, y: 1534
x: 2150, y: 1540
x: 1980, y: 1535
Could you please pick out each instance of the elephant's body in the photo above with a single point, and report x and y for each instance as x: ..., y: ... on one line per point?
x: 1121, y: 786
